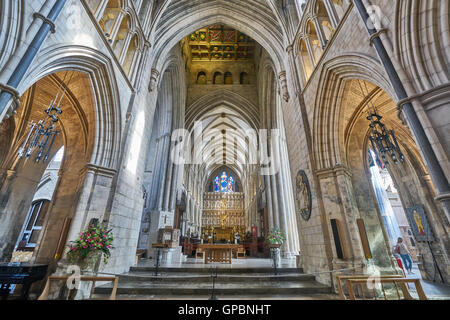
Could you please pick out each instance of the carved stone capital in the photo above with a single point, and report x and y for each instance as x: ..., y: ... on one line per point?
x: 154, y: 78
x: 38, y: 15
x: 15, y: 99
x: 283, y: 85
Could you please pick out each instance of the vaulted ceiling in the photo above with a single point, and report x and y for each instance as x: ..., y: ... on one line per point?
x: 257, y: 19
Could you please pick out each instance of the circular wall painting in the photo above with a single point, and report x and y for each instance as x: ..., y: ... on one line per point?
x: 303, y: 195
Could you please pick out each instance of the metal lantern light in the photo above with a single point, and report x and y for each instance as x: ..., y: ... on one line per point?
x: 383, y: 141
x: 42, y: 134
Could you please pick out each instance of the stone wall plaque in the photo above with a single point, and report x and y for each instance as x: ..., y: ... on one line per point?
x: 303, y: 195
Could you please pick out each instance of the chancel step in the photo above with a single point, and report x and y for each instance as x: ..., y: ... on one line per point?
x: 196, y: 282
x: 220, y: 270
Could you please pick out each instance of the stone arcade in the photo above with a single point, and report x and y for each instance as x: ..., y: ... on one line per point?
x: 188, y: 122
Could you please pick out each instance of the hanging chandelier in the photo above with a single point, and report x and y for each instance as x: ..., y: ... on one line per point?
x: 383, y: 140
x: 42, y: 135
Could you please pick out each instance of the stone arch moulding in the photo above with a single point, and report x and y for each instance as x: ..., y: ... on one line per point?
x: 159, y: 11
x: 269, y: 38
x: 10, y: 24
x: 334, y: 73
x: 416, y: 26
x: 108, y: 113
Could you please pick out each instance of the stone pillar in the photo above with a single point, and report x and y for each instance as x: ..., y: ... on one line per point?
x: 310, y: 51
x: 168, y: 184
x: 156, y: 174
x: 116, y: 26
x: 332, y: 14
x: 173, y: 190
x: 286, y: 248
x: 161, y: 187
x: 297, y: 80
x: 320, y: 34
x: 99, y: 12
x: 275, y: 200
x: 270, y: 211
x: 124, y: 51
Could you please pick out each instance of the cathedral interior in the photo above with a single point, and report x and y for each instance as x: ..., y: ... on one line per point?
x: 301, y: 136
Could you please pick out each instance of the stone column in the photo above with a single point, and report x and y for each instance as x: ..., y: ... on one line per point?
x: 320, y: 34
x: 156, y: 175
x: 173, y: 190
x: 297, y: 80
x: 295, y: 241
x: 275, y: 200
x: 161, y: 187
x: 99, y: 12
x: 116, y: 26
x: 332, y: 14
x: 124, y: 51
x: 168, y: 184
x: 269, y: 205
x: 310, y: 51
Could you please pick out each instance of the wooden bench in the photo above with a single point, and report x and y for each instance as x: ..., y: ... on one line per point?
x: 92, y: 279
x: 396, y: 280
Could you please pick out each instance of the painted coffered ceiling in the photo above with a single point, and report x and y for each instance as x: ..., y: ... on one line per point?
x: 220, y: 43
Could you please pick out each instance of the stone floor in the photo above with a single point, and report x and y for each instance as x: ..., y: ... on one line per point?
x: 237, y: 263
x: 433, y: 290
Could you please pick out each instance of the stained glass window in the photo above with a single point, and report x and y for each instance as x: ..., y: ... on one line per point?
x: 224, y: 183
x: 230, y: 184
x: 217, y: 184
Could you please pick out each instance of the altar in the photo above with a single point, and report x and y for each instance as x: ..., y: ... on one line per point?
x: 218, y: 252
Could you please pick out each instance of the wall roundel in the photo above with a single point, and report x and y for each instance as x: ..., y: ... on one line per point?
x: 303, y: 195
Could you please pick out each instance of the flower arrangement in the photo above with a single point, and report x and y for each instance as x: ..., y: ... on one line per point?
x: 275, y: 236
x: 91, y: 243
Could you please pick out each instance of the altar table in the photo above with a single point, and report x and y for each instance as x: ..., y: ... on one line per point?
x: 218, y: 252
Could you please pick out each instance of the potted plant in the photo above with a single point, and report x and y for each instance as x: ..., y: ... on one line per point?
x: 90, y: 245
x: 275, y: 238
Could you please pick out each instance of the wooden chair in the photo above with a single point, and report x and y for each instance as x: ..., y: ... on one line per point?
x: 240, y: 254
x: 200, y: 253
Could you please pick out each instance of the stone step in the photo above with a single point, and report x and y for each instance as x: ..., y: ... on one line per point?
x: 222, y: 277
x: 269, y: 288
x: 284, y: 297
x: 221, y: 269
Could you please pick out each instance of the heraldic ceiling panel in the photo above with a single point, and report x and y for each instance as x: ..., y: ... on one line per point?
x: 220, y: 43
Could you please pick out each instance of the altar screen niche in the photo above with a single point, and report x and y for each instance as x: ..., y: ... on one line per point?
x: 206, y: 311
